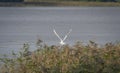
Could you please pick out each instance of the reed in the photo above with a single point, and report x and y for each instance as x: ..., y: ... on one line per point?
x: 79, y: 58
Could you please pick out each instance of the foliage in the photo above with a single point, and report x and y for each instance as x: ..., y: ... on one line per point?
x: 11, y: 0
x: 79, y: 58
x: 70, y: 0
x: 56, y: 0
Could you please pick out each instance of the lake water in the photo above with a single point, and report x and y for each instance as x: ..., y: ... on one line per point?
x: 20, y: 25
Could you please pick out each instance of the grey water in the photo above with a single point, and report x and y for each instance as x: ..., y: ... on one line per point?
x: 19, y: 25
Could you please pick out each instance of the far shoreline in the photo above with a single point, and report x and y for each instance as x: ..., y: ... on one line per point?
x: 60, y: 4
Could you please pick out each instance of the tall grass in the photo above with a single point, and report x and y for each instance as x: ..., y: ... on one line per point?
x: 78, y: 58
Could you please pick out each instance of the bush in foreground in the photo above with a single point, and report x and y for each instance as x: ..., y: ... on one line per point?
x: 65, y: 59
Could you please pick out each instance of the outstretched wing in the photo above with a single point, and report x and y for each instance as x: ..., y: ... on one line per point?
x: 57, y: 34
x: 67, y: 35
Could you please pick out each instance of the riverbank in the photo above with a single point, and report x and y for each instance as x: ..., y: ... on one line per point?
x: 62, y: 3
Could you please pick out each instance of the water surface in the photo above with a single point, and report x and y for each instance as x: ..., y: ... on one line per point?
x: 19, y: 25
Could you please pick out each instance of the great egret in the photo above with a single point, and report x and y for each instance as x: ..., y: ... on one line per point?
x: 62, y: 40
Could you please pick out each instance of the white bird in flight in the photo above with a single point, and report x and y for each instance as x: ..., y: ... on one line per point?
x: 62, y: 40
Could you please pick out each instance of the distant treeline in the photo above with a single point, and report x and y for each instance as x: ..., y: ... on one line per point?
x: 100, y: 0
x: 72, y: 0
x: 96, y: 0
x: 11, y: 0
x: 58, y: 0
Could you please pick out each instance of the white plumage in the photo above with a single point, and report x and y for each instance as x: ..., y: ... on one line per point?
x: 62, y: 40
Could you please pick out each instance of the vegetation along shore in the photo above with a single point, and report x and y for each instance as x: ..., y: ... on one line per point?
x: 79, y: 58
x: 60, y: 3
